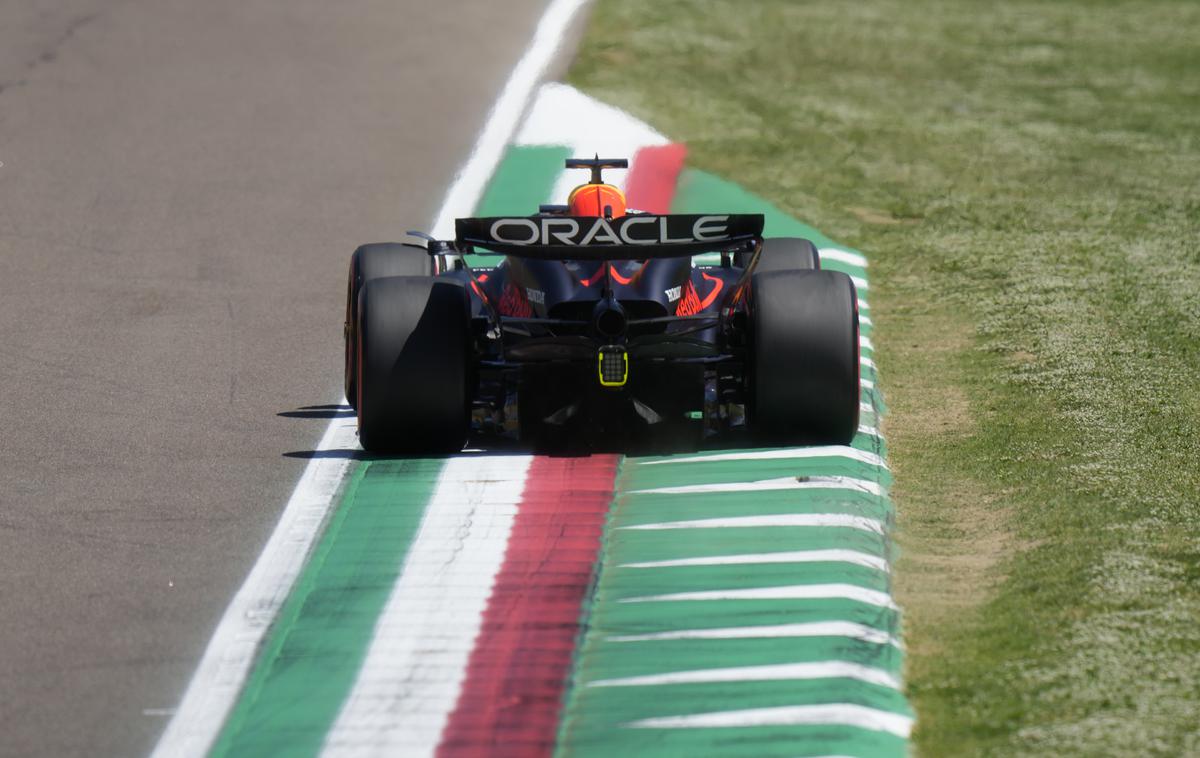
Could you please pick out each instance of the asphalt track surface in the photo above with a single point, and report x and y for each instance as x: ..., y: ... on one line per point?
x: 182, y: 184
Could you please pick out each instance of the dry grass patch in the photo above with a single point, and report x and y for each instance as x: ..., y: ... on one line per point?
x: 876, y: 216
x: 954, y: 533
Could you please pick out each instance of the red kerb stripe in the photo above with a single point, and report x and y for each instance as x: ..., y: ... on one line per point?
x: 653, y: 174
x: 511, y: 696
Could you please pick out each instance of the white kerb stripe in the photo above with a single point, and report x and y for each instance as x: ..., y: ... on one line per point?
x: 860, y: 283
x: 844, y: 256
x: 865, y: 343
x: 867, y: 362
x: 847, y: 629
x: 781, y: 483
x: 427, y: 629
x: 774, y: 520
x: 833, y: 714
x: 865, y: 320
x: 786, y: 453
x: 854, y: 557
x: 862, y: 305
x: 562, y: 115
x: 787, y: 592
x: 464, y: 193
x: 770, y: 673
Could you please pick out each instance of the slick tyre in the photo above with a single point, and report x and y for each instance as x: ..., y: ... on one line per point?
x: 802, y: 373
x: 374, y: 261
x: 414, y: 365
x: 784, y: 254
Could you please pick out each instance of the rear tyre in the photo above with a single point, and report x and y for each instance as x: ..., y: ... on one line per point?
x: 414, y: 391
x: 784, y: 254
x: 802, y: 372
x: 374, y: 261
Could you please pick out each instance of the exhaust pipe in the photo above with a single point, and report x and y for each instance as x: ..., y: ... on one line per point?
x: 609, y: 320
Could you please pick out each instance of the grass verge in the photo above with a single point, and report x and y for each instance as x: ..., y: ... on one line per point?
x: 1026, y: 179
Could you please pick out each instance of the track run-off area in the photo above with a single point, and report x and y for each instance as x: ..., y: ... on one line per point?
x: 726, y: 602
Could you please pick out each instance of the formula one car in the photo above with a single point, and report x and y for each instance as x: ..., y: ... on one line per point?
x: 596, y: 329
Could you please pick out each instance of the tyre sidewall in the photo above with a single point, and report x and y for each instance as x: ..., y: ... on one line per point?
x: 803, y: 368
x: 374, y: 260
x: 785, y: 254
x: 414, y: 363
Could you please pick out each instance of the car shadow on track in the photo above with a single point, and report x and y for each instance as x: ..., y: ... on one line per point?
x: 319, y: 411
x: 499, y: 445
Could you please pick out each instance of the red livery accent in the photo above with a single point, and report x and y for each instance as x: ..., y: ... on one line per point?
x: 689, y: 303
x: 514, y: 303
x: 594, y: 277
x: 616, y: 275
x: 718, y: 285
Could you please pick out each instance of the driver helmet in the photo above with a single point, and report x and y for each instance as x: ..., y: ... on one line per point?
x: 596, y: 200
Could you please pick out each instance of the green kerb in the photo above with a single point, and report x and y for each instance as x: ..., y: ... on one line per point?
x: 524, y: 180
x: 317, y: 644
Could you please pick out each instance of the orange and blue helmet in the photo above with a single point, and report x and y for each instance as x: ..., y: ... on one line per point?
x: 596, y: 200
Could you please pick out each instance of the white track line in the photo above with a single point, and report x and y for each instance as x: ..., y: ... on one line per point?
x: 768, y: 673
x: 787, y: 453
x: 231, y: 651
x: 502, y: 122
x: 835, y: 714
x: 750, y: 559
x: 426, y: 630
x: 781, y: 483
x: 836, y: 591
x: 562, y: 115
x: 844, y: 256
x: 847, y: 629
x: 770, y: 521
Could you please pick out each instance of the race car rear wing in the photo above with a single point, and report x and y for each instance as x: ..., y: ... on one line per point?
x: 636, y: 236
